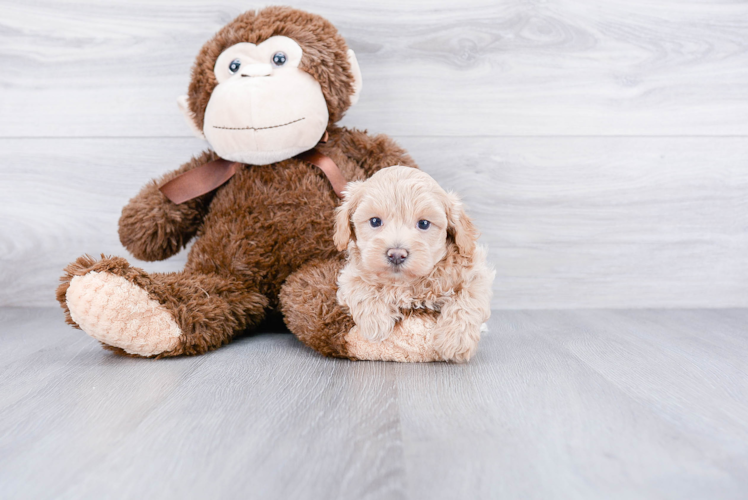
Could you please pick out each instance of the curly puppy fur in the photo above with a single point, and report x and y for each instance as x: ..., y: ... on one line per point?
x: 265, y: 223
x: 404, y: 210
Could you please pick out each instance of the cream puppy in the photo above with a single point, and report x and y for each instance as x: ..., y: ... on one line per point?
x: 410, y: 247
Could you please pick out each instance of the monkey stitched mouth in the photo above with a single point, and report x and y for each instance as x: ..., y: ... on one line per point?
x: 258, y: 128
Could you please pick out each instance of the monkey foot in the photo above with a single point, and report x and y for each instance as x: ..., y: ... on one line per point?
x: 119, y: 313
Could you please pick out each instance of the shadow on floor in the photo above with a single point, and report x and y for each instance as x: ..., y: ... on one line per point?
x: 273, y: 323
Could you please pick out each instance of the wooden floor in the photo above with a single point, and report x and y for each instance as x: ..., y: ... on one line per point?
x: 557, y: 404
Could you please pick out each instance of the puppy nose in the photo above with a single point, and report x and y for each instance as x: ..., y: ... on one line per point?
x: 397, y: 255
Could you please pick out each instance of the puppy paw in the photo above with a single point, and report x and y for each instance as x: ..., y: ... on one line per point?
x: 375, y: 328
x: 410, y: 342
x: 457, y: 344
x: 119, y: 313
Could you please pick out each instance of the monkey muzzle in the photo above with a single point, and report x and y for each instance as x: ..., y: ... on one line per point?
x: 259, y: 120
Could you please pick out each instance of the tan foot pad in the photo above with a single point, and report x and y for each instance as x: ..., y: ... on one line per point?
x: 114, y: 311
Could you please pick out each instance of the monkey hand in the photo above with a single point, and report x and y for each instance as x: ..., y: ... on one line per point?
x: 153, y: 228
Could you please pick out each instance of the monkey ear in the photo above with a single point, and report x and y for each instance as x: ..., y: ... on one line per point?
x: 344, y: 230
x: 189, y: 117
x: 357, y: 80
x: 459, y: 226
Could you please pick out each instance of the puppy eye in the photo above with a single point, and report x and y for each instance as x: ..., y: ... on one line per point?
x: 375, y: 222
x: 279, y: 58
x: 424, y: 224
x: 234, y: 66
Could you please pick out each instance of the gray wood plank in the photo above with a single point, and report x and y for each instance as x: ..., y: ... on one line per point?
x: 570, y: 222
x: 572, y: 404
x: 265, y: 417
x: 430, y: 68
x: 556, y: 404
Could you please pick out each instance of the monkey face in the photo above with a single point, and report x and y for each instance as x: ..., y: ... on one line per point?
x: 269, y: 83
x: 265, y: 108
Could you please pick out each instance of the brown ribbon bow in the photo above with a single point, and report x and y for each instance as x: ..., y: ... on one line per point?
x: 210, y: 176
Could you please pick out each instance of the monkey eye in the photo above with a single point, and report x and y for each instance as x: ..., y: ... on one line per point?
x: 375, y: 222
x: 424, y: 224
x: 279, y: 58
x: 234, y: 66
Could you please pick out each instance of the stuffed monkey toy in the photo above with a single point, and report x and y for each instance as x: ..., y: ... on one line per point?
x: 265, y: 92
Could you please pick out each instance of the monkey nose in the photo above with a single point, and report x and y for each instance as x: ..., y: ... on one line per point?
x: 257, y: 70
x: 397, y: 256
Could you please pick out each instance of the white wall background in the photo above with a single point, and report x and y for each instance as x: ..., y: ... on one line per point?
x: 601, y: 146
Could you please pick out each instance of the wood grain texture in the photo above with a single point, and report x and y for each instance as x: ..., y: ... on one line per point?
x: 562, y: 404
x: 569, y: 222
x: 275, y: 421
x: 604, y: 222
x: 569, y: 67
x: 600, y: 147
x: 592, y: 404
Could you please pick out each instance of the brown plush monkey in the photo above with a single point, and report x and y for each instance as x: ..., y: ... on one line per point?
x: 267, y: 87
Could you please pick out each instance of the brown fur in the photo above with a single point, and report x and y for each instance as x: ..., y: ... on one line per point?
x: 152, y: 228
x: 315, y: 317
x: 260, y: 227
x: 208, y: 309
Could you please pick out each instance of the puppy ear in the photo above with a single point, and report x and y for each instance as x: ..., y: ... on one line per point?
x: 344, y: 230
x: 459, y: 226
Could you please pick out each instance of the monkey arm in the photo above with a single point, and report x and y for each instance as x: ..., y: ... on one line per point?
x: 372, y: 152
x: 153, y: 228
